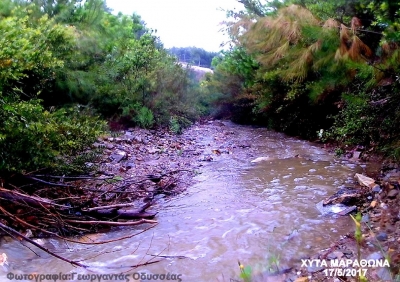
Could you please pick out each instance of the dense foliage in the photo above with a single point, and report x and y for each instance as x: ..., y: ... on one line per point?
x: 57, y: 55
x: 317, y: 69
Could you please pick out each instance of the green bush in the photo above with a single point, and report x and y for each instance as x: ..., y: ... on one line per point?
x: 144, y: 117
x: 174, y: 125
x: 177, y: 124
x: 32, y: 138
x: 369, y: 118
x: 358, y: 122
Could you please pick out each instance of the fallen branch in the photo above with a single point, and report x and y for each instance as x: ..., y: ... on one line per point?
x: 74, y: 177
x: 113, y: 240
x: 23, y: 222
x: 111, y: 223
x: 31, y: 200
x: 151, y: 177
x: 118, y: 211
x: 19, y: 235
x: 46, y: 182
x: 123, y: 214
x: 133, y: 214
x: 108, y: 207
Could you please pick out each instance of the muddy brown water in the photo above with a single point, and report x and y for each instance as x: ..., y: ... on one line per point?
x: 259, y: 213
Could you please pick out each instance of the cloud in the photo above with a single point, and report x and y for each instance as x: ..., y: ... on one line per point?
x: 181, y: 23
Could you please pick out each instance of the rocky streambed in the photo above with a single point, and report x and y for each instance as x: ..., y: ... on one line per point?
x: 219, y: 193
x: 378, y: 202
x: 139, y: 152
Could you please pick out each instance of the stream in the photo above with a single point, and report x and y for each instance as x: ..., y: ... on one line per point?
x: 263, y: 213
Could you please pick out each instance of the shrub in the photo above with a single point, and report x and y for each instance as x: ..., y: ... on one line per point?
x: 174, y: 125
x: 32, y: 138
x: 177, y: 124
x: 144, y: 117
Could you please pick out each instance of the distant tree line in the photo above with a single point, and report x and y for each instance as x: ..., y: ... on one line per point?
x: 193, y: 55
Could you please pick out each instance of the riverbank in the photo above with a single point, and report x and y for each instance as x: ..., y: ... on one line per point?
x: 249, y: 175
x: 136, y: 168
x: 213, y: 140
x: 380, y: 243
x: 130, y: 171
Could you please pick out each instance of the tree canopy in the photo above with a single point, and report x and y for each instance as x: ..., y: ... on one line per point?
x: 299, y: 66
x: 67, y: 65
x: 306, y: 67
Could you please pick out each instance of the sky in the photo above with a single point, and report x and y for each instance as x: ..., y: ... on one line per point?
x: 181, y: 23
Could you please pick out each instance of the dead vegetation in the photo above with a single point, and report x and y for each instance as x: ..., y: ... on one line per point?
x: 65, y: 208
x: 137, y: 168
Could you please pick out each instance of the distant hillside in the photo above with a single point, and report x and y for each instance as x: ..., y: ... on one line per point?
x: 193, y: 55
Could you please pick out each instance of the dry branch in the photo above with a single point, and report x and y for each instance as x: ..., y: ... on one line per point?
x: 19, y: 235
x: 74, y: 177
x: 82, y: 210
x: 30, y: 200
x: 132, y: 214
x: 111, y: 223
x: 109, y: 207
x: 46, y: 182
